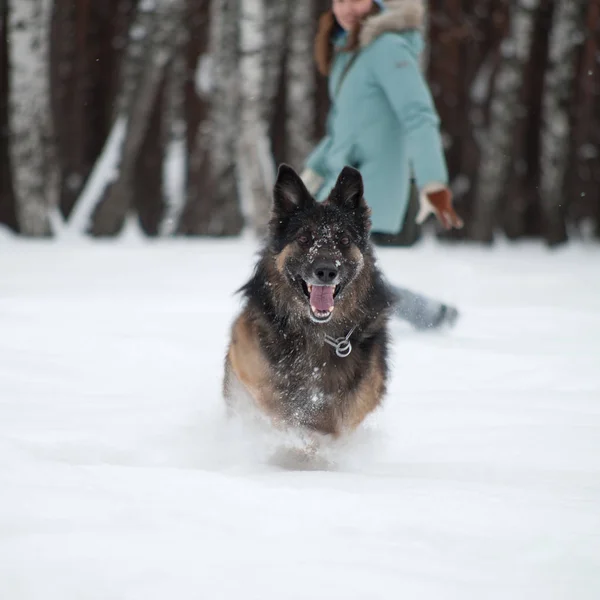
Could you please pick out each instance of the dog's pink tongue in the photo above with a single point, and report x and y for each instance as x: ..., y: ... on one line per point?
x: 321, y: 297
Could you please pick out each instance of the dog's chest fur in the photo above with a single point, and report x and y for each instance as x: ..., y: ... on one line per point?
x: 312, y: 383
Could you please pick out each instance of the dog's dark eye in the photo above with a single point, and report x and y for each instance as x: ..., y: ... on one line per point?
x: 303, y: 240
x: 345, y: 241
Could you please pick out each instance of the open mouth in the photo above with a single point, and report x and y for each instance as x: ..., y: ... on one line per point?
x: 321, y: 300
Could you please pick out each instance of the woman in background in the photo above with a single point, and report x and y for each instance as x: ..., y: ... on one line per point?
x: 383, y: 122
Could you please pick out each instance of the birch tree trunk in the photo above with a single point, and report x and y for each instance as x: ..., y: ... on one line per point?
x: 32, y: 155
x: 256, y: 168
x: 213, y: 206
x: 498, y: 140
x: 140, y: 93
x: 138, y: 44
x: 175, y: 135
x: 302, y: 86
x: 556, y: 133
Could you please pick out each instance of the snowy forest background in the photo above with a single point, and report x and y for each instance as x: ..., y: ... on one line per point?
x: 178, y: 111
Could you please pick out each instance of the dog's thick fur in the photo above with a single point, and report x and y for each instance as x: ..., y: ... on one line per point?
x: 277, y: 357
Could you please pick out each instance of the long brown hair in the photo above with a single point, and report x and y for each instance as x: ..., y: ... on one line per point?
x: 324, y: 43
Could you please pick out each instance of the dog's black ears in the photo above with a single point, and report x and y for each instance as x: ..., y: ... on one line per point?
x: 290, y: 193
x: 348, y: 192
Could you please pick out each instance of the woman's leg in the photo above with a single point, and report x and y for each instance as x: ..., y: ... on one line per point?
x: 422, y: 312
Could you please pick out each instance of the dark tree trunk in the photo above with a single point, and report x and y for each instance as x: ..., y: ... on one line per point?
x: 583, y: 184
x: 521, y: 215
x: 8, y: 215
x: 213, y: 205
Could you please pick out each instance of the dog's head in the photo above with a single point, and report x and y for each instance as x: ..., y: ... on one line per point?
x: 319, y: 248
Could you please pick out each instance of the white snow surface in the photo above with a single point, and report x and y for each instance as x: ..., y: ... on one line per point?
x: 121, y: 478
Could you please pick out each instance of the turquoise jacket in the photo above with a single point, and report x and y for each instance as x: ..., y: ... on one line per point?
x: 382, y: 121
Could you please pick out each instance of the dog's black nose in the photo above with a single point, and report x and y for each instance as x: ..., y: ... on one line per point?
x: 326, y: 273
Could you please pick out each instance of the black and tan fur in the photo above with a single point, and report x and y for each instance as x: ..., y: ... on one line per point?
x: 277, y: 358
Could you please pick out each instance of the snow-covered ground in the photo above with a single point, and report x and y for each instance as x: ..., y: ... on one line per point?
x: 120, y: 479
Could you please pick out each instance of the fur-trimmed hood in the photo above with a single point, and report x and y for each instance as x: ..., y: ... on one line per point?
x: 380, y: 107
x: 398, y: 16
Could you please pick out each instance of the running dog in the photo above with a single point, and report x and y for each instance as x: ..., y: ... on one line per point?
x: 310, y: 347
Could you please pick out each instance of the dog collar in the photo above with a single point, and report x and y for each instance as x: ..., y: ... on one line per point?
x: 342, y: 345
